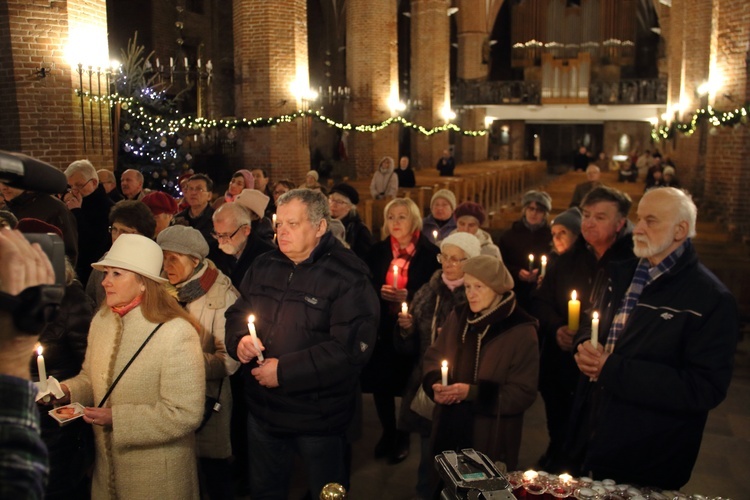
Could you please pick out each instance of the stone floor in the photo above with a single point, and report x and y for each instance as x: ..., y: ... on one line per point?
x: 720, y: 470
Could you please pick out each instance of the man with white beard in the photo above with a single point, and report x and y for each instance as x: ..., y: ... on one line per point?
x: 663, y: 359
x: 239, y: 244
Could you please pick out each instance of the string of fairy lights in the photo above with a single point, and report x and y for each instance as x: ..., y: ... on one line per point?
x: 175, y: 124
x: 716, y: 118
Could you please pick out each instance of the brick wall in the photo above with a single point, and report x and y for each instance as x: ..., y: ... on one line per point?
x: 42, y: 116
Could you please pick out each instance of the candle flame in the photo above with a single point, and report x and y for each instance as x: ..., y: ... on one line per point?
x: 404, y: 306
x: 39, y: 350
x: 251, y: 318
x: 544, y: 259
x: 434, y: 234
x: 596, y: 315
x: 566, y: 478
x: 444, y: 364
x: 531, y: 257
x: 395, y: 269
x: 573, y: 295
x: 530, y: 475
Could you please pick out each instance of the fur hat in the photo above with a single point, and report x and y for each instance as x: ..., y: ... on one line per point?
x: 473, y: 209
x: 135, y: 253
x: 491, y: 271
x: 540, y: 197
x: 571, y: 219
x: 184, y: 240
x: 313, y: 174
x: 445, y: 194
x: 160, y: 203
x: 346, y: 190
x: 253, y: 200
x: 465, y: 241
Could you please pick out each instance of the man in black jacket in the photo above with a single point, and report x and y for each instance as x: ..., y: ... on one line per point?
x: 605, y: 237
x: 316, y: 320
x: 663, y: 356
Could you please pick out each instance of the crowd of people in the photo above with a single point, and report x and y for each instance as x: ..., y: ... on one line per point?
x: 213, y: 338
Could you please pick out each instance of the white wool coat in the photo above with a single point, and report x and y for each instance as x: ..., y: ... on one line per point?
x: 149, y: 452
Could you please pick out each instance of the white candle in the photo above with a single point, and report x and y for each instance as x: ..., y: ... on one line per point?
x: 198, y: 63
x: 157, y: 63
x: 254, y: 335
x: 595, y: 330
x: 566, y: 479
x: 404, y: 308
x: 531, y: 262
x: 273, y: 219
x: 444, y: 372
x: 544, y: 266
x: 574, y: 311
x: 186, y: 63
x: 42, y: 369
x: 530, y: 475
x: 171, y: 62
x: 434, y: 235
x: 395, y: 276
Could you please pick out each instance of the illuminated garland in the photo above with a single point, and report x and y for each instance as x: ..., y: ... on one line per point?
x: 715, y: 118
x: 172, y: 125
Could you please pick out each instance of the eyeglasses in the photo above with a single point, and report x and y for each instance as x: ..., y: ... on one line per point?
x: 338, y: 202
x: 225, y: 236
x: 192, y: 189
x: 121, y: 230
x: 449, y: 261
x: 79, y: 187
x: 536, y: 209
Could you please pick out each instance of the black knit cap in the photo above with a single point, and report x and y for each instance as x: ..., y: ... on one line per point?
x: 346, y: 190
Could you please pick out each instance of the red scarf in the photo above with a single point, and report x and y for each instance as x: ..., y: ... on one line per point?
x: 401, y: 259
x: 123, y: 310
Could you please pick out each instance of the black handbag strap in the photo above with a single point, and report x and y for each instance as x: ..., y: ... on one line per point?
x: 122, y: 372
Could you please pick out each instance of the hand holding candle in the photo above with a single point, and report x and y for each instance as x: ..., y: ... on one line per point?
x: 595, y: 330
x: 574, y: 311
x: 254, y: 335
x: 42, y: 369
x: 444, y: 372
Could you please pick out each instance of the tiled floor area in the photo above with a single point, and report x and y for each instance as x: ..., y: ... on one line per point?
x: 721, y: 469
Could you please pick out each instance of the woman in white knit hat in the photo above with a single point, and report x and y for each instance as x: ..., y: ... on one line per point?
x: 419, y: 328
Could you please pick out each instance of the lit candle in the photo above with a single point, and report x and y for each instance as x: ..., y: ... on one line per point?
x: 157, y: 63
x: 544, y: 266
x: 171, y: 62
x: 199, y: 63
x: 574, y: 311
x: 404, y: 308
x: 530, y: 475
x: 186, y: 63
x: 444, y: 372
x: 566, y: 478
x: 531, y: 262
x: 434, y: 234
x: 595, y: 330
x: 395, y: 276
x: 273, y: 219
x: 254, y: 335
x: 42, y: 369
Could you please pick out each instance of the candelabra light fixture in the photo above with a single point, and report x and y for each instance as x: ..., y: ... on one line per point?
x: 334, y: 95
x: 193, y: 72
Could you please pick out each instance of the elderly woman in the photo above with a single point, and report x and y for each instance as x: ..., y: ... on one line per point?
x: 440, y: 223
x: 565, y: 229
x: 491, y: 349
x: 145, y: 413
x: 280, y: 187
x: 206, y: 293
x: 469, y: 217
x: 384, y: 183
x: 343, y: 203
x: 414, y: 259
x: 241, y: 179
x: 163, y: 207
x: 419, y: 328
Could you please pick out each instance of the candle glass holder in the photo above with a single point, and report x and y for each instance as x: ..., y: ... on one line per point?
x: 515, y: 479
x: 534, y: 486
x: 586, y: 493
x: 561, y: 488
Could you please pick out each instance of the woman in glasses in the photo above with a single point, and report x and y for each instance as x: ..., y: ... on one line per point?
x: 420, y: 327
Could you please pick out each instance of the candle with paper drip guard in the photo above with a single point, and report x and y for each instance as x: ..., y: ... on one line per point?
x: 595, y: 330
x: 574, y: 311
x: 395, y: 276
x: 404, y: 308
x: 254, y: 335
x: 42, y: 368
x: 444, y: 372
x: 531, y: 262
x: 544, y: 266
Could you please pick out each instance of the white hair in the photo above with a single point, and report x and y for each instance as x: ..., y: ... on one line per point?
x: 684, y: 207
x: 84, y: 167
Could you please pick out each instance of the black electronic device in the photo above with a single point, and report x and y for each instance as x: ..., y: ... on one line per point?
x: 471, y: 475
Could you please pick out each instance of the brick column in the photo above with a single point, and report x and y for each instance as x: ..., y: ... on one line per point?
x: 270, y: 53
x: 42, y: 117
x: 473, y: 148
x: 430, y: 66
x: 372, y: 74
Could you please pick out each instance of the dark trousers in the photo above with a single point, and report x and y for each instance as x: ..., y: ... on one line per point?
x: 215, y: 476
x: 272, y: 460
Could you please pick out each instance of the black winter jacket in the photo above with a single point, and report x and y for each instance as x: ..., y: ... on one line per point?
x: 643, y: 419
x: 319, y: 318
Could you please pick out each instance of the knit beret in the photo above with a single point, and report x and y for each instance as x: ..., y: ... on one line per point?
x: 445, y: 194
x: 540, y: 197
x: 465, y: 241
x: 160, y: 203
x: 184, y: 240
x: 473, y: 209
x: 313, y: 174
x: 347, y: 191
x: 31, y: 225
x: 253, y: 200
x: 491, y: 271
x: 571, y: 219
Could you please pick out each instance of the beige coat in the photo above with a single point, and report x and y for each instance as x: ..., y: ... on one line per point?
x: 149, y: 452
x: 213, y: 439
